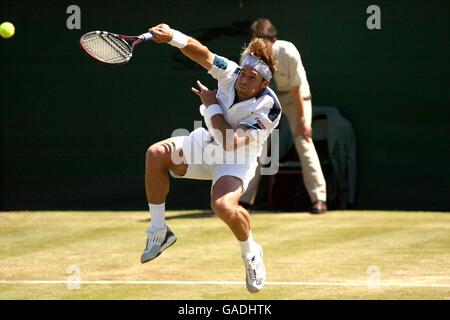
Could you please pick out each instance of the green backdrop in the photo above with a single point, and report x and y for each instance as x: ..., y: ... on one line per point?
x: 74, y: 132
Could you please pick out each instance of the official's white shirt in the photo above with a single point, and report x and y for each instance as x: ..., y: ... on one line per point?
x: 290, y: 71
x: 261, y: 113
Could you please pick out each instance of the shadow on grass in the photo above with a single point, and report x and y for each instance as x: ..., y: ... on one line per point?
x: 199, y: 214
x: 188, y: 215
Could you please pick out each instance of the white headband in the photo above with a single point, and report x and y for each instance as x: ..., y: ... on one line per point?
x: 260, y: 66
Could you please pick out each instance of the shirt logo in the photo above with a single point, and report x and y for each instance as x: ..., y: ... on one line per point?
x: 260, y: 123
x: 220, y: 62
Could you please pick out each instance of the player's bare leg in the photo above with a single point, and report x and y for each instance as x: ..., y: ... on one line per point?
x: 224, y: 203
x: 159, y: 160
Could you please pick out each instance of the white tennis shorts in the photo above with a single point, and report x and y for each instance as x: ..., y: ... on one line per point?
x: 193, y: 146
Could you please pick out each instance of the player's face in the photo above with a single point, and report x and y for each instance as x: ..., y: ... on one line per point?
x: 249, y: 83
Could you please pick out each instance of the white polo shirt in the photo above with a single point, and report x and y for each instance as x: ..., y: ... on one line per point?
x: 261, y: 113
x: 290, y: 71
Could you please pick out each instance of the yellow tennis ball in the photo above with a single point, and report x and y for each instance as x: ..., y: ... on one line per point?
x: 7, y: 30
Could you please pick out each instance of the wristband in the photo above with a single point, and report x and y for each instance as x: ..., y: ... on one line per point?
x: 179, y: 40
x: 202, y: 110
x: 212, y: 110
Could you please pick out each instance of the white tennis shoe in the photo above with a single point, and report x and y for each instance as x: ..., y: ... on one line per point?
x: 158, y: 240
x: 255, y: 271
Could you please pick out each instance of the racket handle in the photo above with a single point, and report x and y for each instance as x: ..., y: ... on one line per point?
x: 145, y: 36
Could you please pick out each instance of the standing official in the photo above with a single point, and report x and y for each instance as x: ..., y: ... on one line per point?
x: 295, y: 98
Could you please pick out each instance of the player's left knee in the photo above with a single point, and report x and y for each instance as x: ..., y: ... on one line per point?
x: 223, y: 208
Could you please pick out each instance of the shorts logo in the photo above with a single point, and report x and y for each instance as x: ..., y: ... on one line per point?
x: 260, y: 123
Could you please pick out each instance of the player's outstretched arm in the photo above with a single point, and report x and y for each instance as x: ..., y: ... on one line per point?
x: 189, y: 46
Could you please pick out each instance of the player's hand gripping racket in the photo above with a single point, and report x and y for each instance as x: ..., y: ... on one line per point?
x: 111, y: 48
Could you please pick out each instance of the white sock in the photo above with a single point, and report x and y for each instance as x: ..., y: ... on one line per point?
x: 248, y: 246
x: 157, y: 213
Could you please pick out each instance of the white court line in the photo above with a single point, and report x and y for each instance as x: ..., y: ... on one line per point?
x: 388, y: 283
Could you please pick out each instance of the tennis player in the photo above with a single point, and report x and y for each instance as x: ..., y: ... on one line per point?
x: 239, y: 115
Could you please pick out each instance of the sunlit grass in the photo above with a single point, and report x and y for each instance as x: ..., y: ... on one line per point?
x: 411, y: 250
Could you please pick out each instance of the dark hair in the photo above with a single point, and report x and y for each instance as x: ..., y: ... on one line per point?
x: 263, y: 28
x: 259, y: 48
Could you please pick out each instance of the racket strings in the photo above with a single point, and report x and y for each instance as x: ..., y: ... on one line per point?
x: 107, y: 48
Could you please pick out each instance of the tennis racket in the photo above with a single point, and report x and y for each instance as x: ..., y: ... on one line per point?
x: 111, y: 48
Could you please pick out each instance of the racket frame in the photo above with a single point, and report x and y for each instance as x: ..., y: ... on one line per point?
x: 125, y: 38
